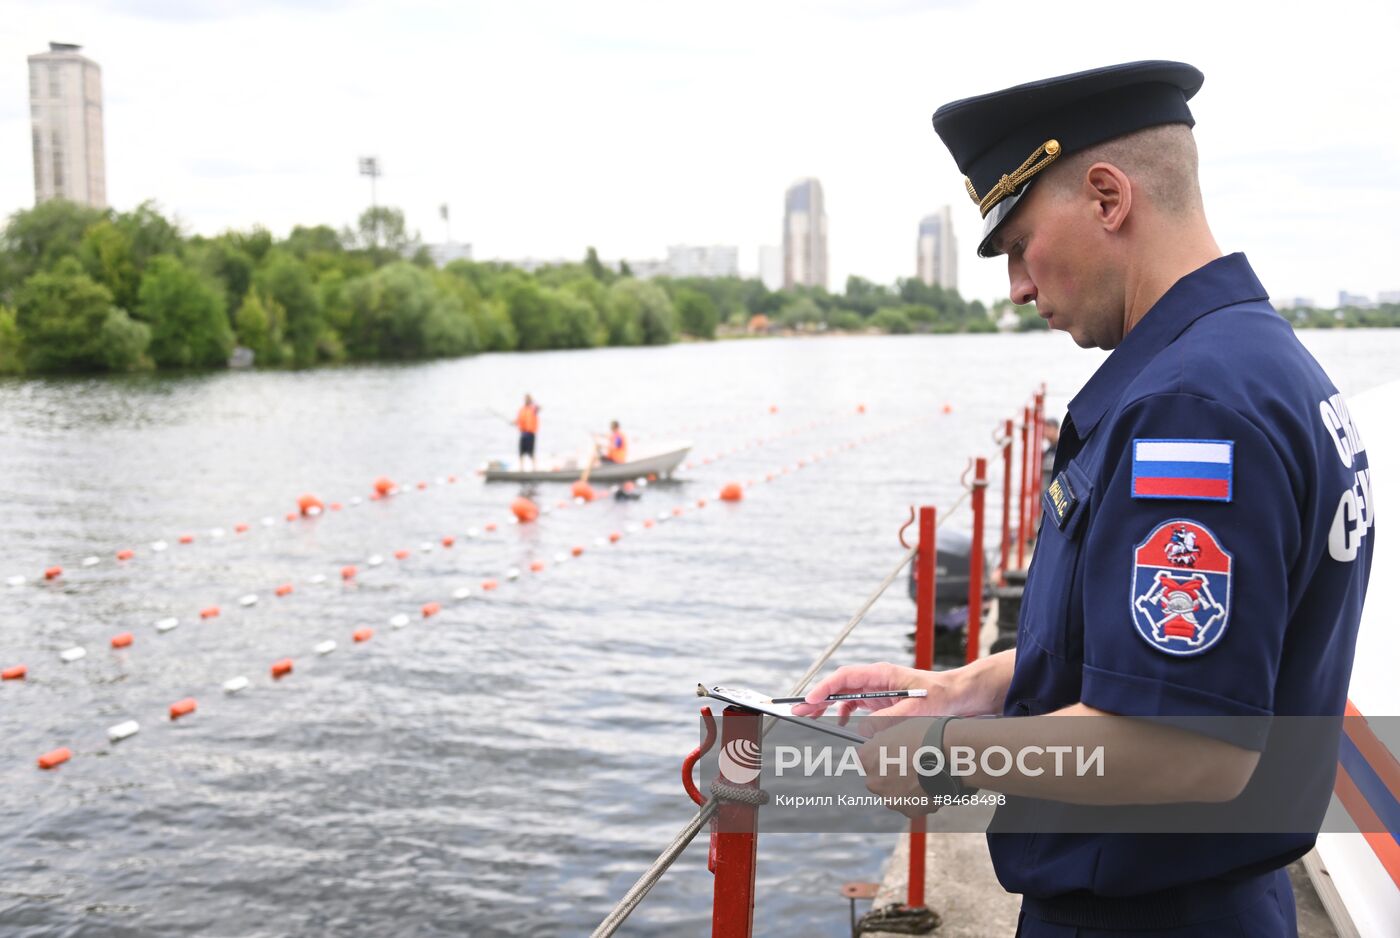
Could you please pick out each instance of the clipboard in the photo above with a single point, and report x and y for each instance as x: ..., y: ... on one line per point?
x: 753, y: 700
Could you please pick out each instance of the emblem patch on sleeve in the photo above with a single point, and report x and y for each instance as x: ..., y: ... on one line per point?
x: 1197, y: 469
x: 1181, y: 588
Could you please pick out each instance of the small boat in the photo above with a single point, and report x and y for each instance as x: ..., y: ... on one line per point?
x: 660, y: 461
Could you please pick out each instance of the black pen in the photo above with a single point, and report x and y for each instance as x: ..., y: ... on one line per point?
x: 868, y: 696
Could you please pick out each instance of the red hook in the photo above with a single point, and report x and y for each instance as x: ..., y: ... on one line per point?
x: 688, y: 766
x: 902, y: 542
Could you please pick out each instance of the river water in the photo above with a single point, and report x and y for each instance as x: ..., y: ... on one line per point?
x: 508, y: 766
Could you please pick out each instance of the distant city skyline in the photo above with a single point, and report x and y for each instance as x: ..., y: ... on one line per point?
x: 65, y: 107
x: 228, y: 117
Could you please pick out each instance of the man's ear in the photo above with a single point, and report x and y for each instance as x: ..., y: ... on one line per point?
x: 1112, y: 192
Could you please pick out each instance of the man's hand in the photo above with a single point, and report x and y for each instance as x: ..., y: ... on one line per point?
x: 887, y: 782
x: 976, y: 689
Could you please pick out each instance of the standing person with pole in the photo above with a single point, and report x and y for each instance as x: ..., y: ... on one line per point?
x: 1205, y: 544
x: 528, y: 422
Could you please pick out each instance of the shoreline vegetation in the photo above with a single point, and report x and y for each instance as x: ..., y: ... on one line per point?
x: 86, y: 290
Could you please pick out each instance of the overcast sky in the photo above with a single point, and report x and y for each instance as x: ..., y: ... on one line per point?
x: 550, y: 126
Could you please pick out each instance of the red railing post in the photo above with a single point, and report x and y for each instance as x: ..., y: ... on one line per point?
x: 926, y: 567
x: 974, y: 576
x: 1037, y: 451
x: 735, y: 853
x: 1021, y: 525
x: 1006, y: 445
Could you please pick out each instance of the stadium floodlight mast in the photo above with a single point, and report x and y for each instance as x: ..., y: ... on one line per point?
x: 369, y: 166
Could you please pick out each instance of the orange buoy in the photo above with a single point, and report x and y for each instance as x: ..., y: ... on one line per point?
x: 677, y: 511
x: 651, y: 477
x: 768, y: 477
x: 536, y: 566
x: 53, y: 573
x: 55, y: 757
x: 860, y: 408
x: 583, y: 490
x: 240, y: 528
x: 489, y: 585
x: 383, y: 485
x: 182, y: 708
x: 401, y: 554
x: 284, y: 590
x: 699, y: 503
x: 577, y: 551
x: 348, y: 572
x: 363, y: 635
x: 209, y: 612
x: 126, y: 554
x: 186, y: 538
x: 431, y: 609
x: 615, y: 536
x: 306, y: 503
x: 451, y: 480
x: 375, y: 496
x: 561, y: 504
x: 772, y: 408
x: 524, y: 509
x: 649, y: 523
x: 422, y: 486
x: 14, y: 673
x: 122, y: 639
x: 732, y: 492
x: 489, y: 526
x: 947, y: 408
x: 448, y: 541
x: 336, y: 506
x: 282, y: 668
x: 292, y: 516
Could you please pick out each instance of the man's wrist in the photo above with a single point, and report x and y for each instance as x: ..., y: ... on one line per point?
x: 942, y: 783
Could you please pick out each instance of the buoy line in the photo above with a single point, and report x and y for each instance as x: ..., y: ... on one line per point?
x: 350, y: 572
x: 309, y: 506
x: 283, y: 667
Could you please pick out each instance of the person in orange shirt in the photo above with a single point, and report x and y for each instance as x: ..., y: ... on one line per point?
x: 615, y: 449
x: 528, y: 421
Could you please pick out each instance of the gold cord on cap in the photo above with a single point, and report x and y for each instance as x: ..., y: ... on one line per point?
x: 1043, y: 156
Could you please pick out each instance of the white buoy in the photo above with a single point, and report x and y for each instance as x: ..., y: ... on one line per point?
x: 662, y: 519
x: 546, y: 510
x: 216, y: 532
x: 513, y: 573
x: 123, y: 730
x: 440, y: 481
x: 642, y: 483
x: 235, y: 684
x: 560, y: 558
x: 312, y: 511
x: 375, y: 561
x: 317, y: 579
x: 600, y: 542
x: 426, y: 547
x: 633, y: 528
x: 461, y: 593
x: 326, y: 647
x: 250, y: 599
x: 512, y: 520
x: 356, y: 500
x: 76, y: 653
x: 399, y: 621
x: 580, y: 500
x: 165, y: 625
x: 158, y: 546
x: 473, y: 532
x: 15, y: 581
x: 91, y: 561
x: 268, y: 521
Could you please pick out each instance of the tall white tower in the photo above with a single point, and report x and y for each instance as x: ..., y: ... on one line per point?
x: 65, y: 107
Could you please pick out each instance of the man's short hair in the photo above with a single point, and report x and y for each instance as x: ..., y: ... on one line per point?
x: 1161, y: 161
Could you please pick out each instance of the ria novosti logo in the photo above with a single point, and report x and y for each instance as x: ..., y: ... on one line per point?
x: 740, y: 761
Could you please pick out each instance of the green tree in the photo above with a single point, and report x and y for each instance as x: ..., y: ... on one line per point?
x: 892, y: 319
x: 10, y: 361
x: 640, y: 313
x: 259, y: 327
x: 288, y: 281
x: 400, y: 312
x: 37, y: 238
x: 67, y: 322
x: 697, y: 313
x: 189, y: 324
x: 595, y: 268
x: 107, y: 255
x: 381, y: 230
x: 537, y: 315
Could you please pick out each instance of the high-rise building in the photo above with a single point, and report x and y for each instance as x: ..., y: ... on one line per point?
x: 938, y: 250
x: 804, y: 235
x: 65, y: 108
x: 716, y: 260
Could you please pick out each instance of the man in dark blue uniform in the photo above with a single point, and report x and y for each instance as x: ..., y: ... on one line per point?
x: 1207, y: 534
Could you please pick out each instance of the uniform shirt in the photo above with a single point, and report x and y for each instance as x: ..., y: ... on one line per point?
x: 1204, y: 551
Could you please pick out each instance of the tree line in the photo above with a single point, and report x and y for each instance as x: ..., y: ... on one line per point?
x: 90, y: 290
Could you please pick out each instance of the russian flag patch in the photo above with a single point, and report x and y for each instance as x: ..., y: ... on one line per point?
x: 1203, y: 470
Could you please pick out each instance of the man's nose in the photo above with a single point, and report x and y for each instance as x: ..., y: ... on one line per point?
x: 1022, y: 288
